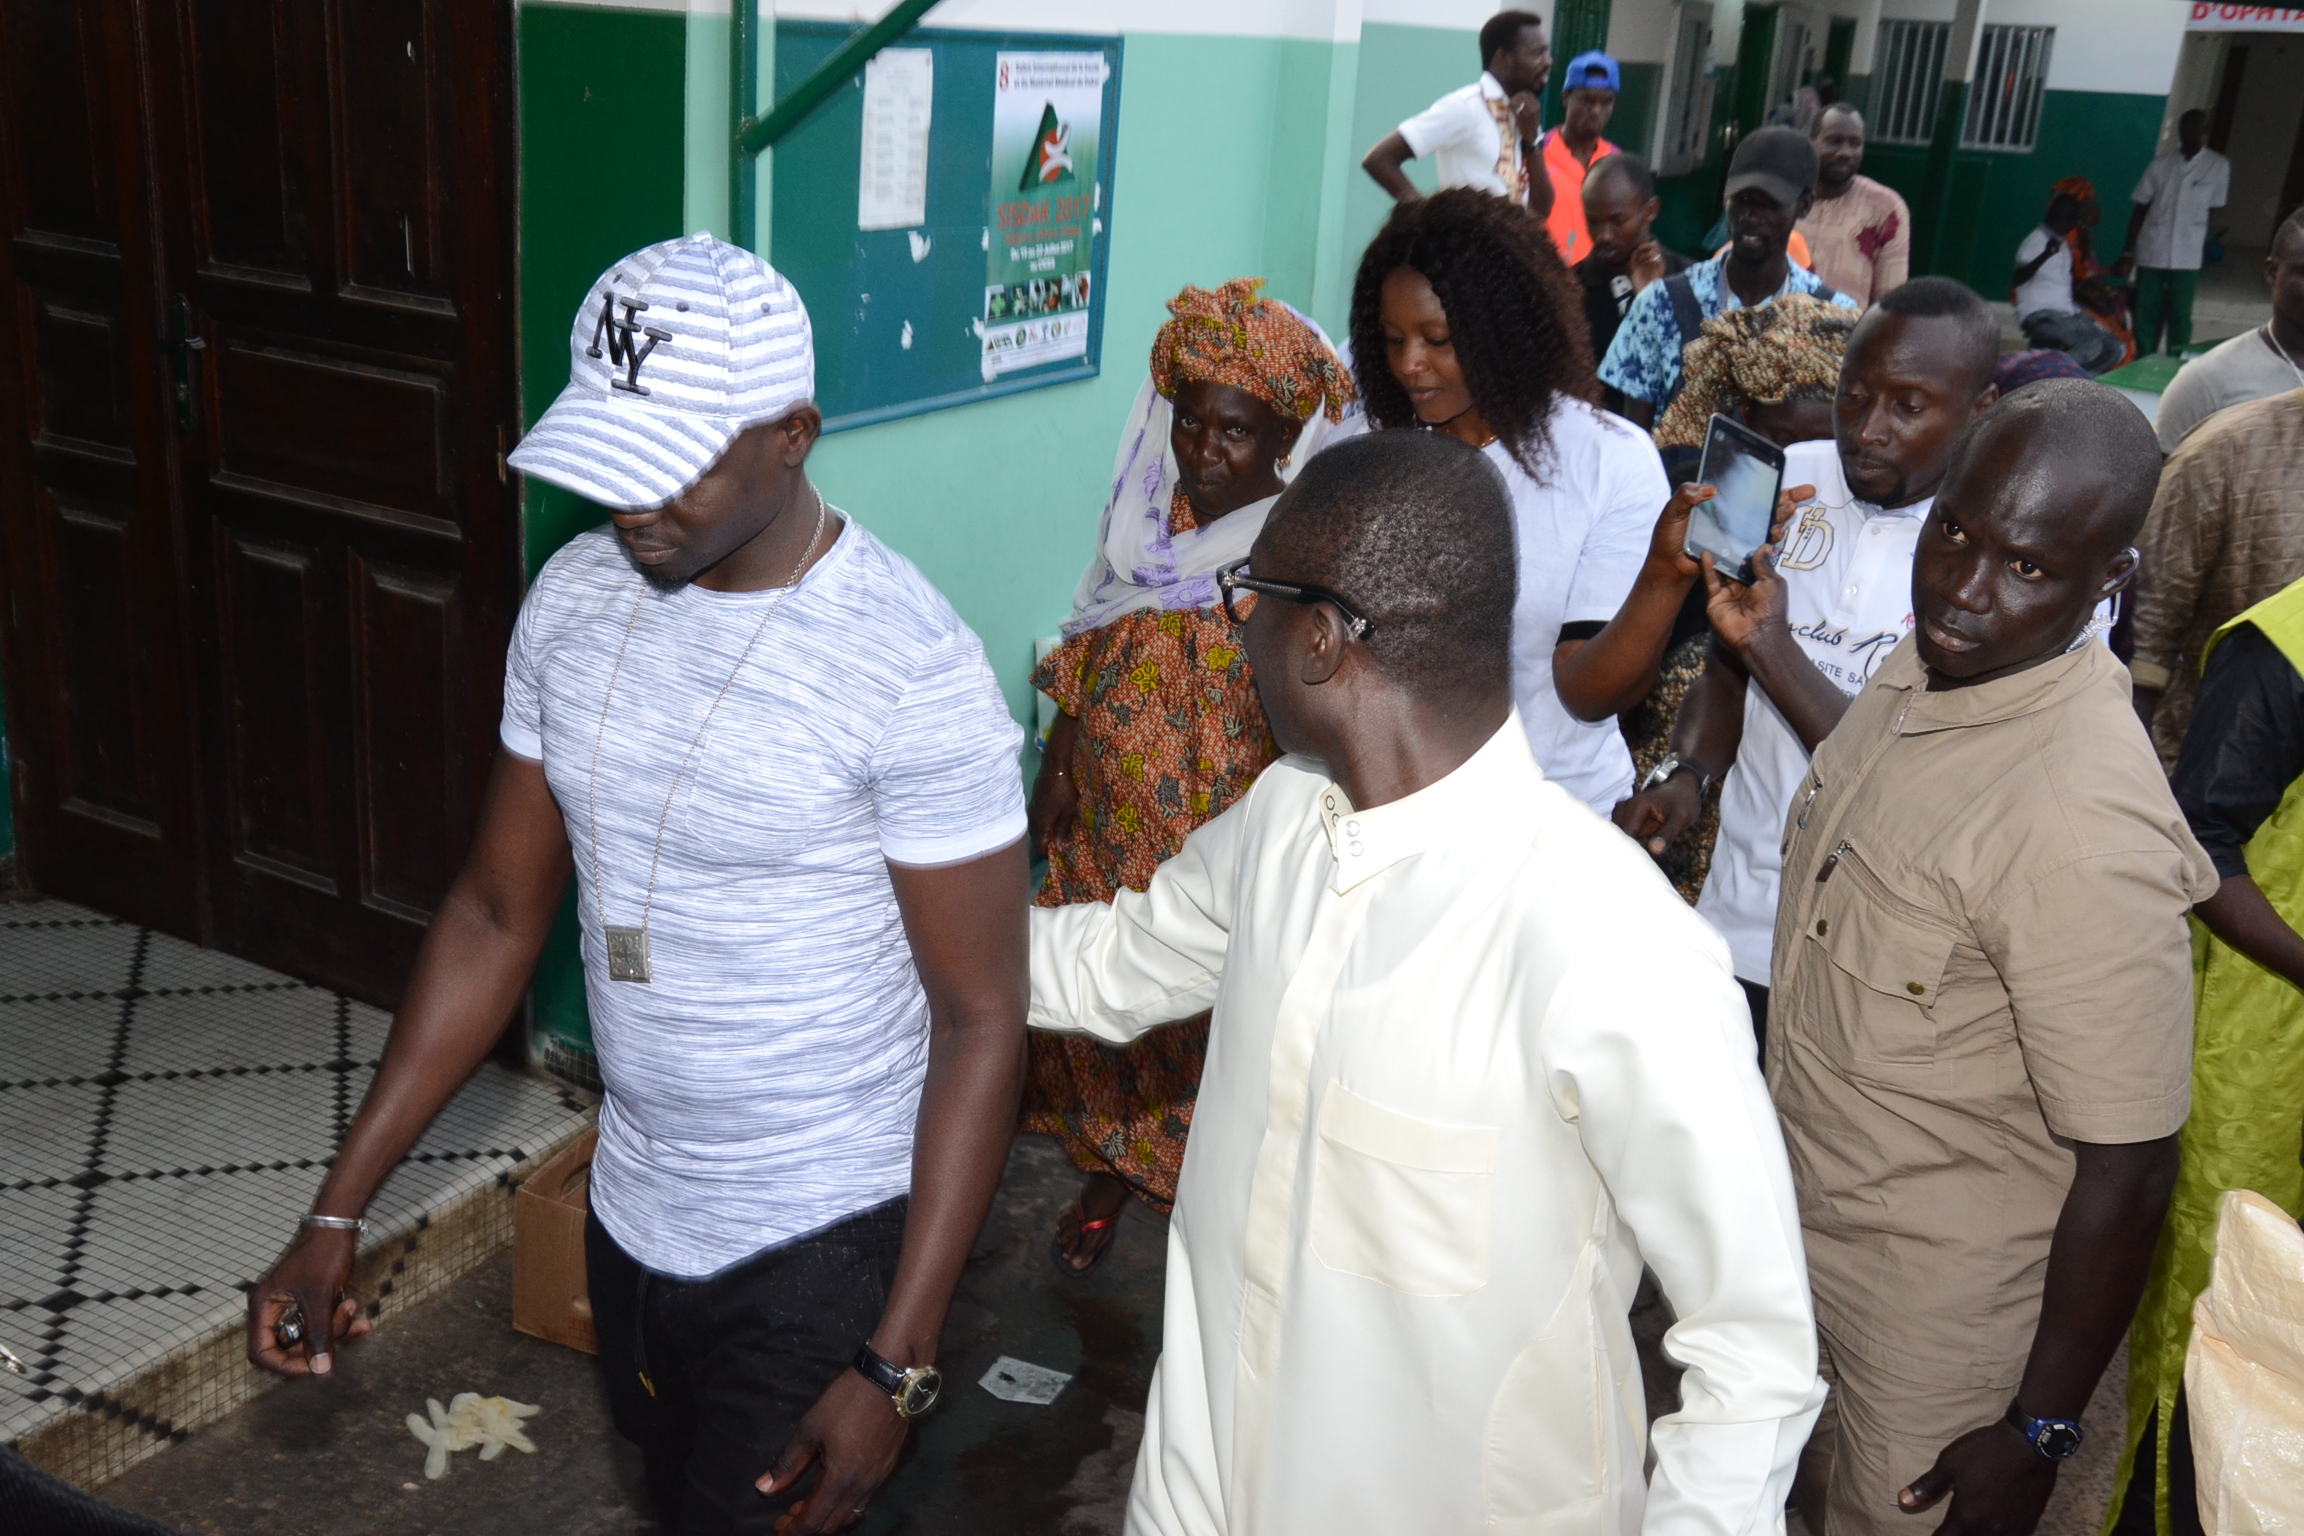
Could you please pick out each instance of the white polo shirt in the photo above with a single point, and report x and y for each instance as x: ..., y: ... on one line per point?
x: 2181, y: 193
x: 1459, y: 134
x: 1847, y: 568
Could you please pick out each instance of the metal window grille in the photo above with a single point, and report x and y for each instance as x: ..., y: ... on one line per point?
x: 1907, y: 80
x: 2011, y: 80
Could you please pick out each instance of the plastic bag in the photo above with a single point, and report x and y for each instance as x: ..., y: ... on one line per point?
x: 2244, y: 1374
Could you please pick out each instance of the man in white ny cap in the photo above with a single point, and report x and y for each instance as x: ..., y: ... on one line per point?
x: 787, y: 785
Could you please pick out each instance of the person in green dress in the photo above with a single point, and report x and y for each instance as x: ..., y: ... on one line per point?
x: 2240, y: 781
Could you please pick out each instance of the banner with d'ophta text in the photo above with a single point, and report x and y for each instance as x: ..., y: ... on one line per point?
x: 1044, y: 213
x: 2209, y: 16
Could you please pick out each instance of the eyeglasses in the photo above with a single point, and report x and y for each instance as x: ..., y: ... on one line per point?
x: 1232, y: 581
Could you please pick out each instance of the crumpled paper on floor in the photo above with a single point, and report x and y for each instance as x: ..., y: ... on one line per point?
x: 490, y: 1423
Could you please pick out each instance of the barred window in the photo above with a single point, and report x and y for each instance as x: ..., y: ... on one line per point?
x: 2011, y: 79
x: 1907, y: 80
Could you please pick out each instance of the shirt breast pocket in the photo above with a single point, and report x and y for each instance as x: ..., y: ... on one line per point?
x: 1405, y: 1202
x: 1885, y: 968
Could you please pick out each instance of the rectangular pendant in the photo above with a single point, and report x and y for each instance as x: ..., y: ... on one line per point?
x: 627, y: 953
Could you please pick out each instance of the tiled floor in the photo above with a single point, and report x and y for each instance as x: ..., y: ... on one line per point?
x: 166, y: 1113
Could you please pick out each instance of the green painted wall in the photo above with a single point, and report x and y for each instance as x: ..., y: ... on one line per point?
x: 997, y: 502
x: 1402, y: 70
x: 1993, y: 200
x: 602, y: 121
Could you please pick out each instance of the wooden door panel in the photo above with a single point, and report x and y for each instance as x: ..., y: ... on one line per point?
x: 61, y: 144
x: 254, y: 215
x: 81, y: 346
x: 414, y: 778
x: 109, y: 770
x: 271, y: 608
x: 281, y: 415
x: 391, y: 187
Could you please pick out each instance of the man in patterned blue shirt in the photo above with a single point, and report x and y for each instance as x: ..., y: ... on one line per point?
x: 1771, y: 185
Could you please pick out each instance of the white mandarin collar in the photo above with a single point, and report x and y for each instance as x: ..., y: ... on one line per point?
x: 1491, y: 783
x: 1491, y: 89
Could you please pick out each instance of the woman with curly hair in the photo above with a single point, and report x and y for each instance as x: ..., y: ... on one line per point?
x: 1159, y: 726
x: 1464, y: 321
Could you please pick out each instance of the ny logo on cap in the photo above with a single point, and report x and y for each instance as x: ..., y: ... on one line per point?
x: 625, y: 350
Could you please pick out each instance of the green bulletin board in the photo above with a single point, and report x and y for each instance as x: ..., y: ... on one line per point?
x: 917, y: 318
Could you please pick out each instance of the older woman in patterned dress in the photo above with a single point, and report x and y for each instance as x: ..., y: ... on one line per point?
x: 1159, y: 726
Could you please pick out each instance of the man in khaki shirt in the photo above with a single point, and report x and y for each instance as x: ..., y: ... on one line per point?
x: 1981, y: 1032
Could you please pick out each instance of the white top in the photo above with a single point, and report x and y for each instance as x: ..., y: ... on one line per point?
x: 1465, y: 1047
x: 1847, y: 568
x: 1459, y: 133
x: 765, y: 1083
x: 1582, y: 531
x: 2050, y: 288
x: 2181, y: 192
x: 2230, y: 373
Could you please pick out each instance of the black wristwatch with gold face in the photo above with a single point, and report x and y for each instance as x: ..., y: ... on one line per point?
x: 914, y: 1391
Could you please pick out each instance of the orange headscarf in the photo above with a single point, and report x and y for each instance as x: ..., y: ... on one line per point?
x: 1230, y: 336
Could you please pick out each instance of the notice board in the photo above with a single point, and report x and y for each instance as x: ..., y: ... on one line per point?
x: 947, y: 215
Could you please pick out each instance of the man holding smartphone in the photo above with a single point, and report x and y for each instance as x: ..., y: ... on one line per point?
x: 1825, y: 605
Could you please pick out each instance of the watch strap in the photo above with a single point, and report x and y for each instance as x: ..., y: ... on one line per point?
x: 878, y: 1370
x: 2052, y: 1439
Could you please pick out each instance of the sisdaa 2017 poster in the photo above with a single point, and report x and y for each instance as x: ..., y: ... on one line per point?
x: 1047, y: 115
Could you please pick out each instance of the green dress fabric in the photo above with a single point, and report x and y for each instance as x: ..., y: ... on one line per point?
x: 2247, y: 1125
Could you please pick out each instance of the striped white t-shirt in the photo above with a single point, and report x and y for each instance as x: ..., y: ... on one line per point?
x: 765, y: 1083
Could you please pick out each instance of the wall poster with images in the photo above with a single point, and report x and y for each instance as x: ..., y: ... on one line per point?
x: 980, y: 166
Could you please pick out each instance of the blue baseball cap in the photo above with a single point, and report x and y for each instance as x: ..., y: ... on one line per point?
x: 1584, y: 66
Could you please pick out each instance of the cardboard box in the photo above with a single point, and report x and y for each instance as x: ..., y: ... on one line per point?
x: 549, y: 1296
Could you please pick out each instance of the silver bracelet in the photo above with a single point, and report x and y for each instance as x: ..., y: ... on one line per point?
x: 337, y: 1223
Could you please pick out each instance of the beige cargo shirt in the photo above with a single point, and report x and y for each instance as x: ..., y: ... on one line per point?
x: 1981, y: 957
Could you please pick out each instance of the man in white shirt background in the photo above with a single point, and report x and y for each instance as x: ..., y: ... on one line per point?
x: 1792, y: 649
x: 1484, y: 134
x: 785, y: 780
x: 1472, y: 1064
x: 2168, y: 231
x: 2267, y: 360
x: 2046, y: 308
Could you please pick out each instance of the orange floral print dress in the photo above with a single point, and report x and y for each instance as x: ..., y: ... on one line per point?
x: 1170, y: 734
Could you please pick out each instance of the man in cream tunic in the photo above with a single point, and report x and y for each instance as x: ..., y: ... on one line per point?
x: 1472, y: 1063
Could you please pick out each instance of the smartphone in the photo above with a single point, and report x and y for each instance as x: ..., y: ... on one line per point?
x: 1746, y: 470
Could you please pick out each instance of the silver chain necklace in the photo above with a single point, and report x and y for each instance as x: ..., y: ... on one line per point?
x: 628, y: 947
x: 2273, y: 342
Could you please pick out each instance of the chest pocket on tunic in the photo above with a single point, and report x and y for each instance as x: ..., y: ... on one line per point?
x: 1884, y: 968
x: 1404, y: 1202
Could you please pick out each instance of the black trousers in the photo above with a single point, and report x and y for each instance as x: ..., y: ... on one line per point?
x: 2137, y: 1517
x: 1758, y: 997
x: 710, y: 1377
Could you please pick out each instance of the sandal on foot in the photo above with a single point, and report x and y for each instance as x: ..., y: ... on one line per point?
x: 1087, y: 1230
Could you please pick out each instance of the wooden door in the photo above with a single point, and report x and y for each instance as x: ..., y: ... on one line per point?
x: 330, y: 327
x: 96, y: 641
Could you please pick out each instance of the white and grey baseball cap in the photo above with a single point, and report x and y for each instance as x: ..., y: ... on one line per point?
x: 676, y: 350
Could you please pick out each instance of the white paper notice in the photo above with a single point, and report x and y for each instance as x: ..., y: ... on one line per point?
x: 892, y: 185
x: 1020, y: 1381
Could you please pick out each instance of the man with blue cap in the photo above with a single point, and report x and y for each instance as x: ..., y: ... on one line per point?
x: 782, y: 774
x: 1588, y: 93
